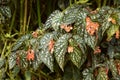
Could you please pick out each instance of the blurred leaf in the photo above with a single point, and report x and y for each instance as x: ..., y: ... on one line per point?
x: 110, y: 51
x: 2, y: 62
x: 111, y: 31
x: 4, y: 1
x: 16, y: 70
x: 61, y: 48
x: 71, y: 73
x: 88, y: 74
x: 27, y: 75
x: 6, y: 11
x: 113, y: 68
x: 2, y: 18
x: 12, y: 60
x: 83, y: 1
x: 2, y: 73
x: 19, y: 43
x: 102, y: 74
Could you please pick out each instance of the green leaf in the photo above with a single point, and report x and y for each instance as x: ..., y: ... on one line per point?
x: 76, y: 56
x: 111, y: 31
x: 57, y: 20
x: 88, y: 74
x: 22, y: 59
x: 5, y: 11
x: 16, y: 70
x: 106, y: 24
x: 90, y: 40
x: 102, y: 74
x: 61, y: 48
x: 23, y: 62
x: 44, y: 41
x: 35, y: 46
x: 71, y: 14
x: 2, y: 62
x: 54, y: 20
x: 79, y: 40
x: 71, y: 73
x: 2, y: 73
x: 27, y: 75
x: 47, y: 58
x: 37, y: 61
x: 112, y: 67
x: 82, y: 14
x: 19, y: 43
x: 2, y: 19
x: 12, y: 60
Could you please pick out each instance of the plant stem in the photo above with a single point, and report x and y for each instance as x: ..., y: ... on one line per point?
x: 12, y: 22
x: 75, y: 1
x: 104, y: 2
x: 3, y: 51
x: 29, y: 16
x: 38, y: 13
x: 25, y: 17
x: 99, y: 3
x: 21, y: 15
x: 46, y: 76
x: 70, y: 2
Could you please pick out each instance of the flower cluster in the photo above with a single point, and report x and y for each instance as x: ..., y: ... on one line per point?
x: 66, y: 27
x: 112, y: 20
x: 51, y: 45
x: 117, y: 34
x: 35, y: 34
x: 70, y: 49
x: 118, y: 67
x: 97, y: 50
x: 30, y: 55
x: 91, y: 26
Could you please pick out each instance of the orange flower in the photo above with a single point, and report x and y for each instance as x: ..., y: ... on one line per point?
x: 91, y: 27
x: 97, y: 50
x: 68, y: 28
x: 112, y: 20
x: 118, y: 67
x: 70, y: 49
x: 30, y: 55
x: 62, y: 26
x: 51, y: 45
x: 35, y: 34
x: 117, y: 34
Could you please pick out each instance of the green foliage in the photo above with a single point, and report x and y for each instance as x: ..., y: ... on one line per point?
x: 76, y: 43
